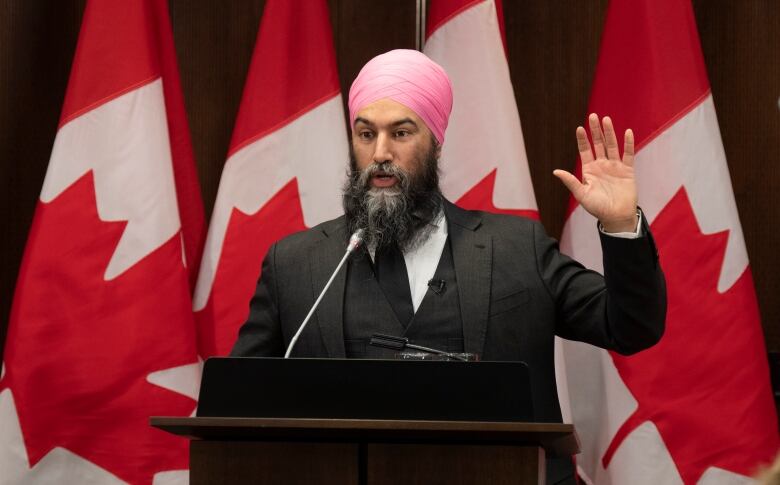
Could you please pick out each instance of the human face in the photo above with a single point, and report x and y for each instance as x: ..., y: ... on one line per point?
x: 387, y: 131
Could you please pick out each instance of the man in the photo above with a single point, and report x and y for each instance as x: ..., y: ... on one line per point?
x: 457, y: 280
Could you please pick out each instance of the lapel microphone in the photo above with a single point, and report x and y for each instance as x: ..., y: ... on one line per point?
x: 354, y: 242
x: 437, y: 286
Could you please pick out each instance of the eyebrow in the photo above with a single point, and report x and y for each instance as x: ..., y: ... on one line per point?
x: 394, y: 124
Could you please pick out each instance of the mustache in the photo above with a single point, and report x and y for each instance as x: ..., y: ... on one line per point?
x: 383, y: 168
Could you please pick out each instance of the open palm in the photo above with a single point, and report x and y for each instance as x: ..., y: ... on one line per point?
x: 608, y: 188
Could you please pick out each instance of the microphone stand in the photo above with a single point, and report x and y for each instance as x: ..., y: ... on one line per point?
x: 354, y: 243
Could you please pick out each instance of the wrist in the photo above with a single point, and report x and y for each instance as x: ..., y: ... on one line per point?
x: 621, y: 225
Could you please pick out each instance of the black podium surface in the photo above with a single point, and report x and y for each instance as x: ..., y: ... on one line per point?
x: 366, y: 389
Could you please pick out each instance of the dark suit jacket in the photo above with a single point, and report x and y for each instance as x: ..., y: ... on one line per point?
x: 516, y: 291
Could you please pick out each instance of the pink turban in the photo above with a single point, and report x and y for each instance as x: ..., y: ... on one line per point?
x: 408, y: 77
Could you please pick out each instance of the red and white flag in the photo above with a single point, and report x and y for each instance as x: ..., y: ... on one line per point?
x: 285, y: 165
x: 101, y: 335
x: 484, y: 164
x: 697, y: 407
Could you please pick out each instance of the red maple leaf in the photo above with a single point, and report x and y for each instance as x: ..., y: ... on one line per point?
x: 705, y: 386
x: 246, y: 242
x: 480, y: 197
x: 80, y: 348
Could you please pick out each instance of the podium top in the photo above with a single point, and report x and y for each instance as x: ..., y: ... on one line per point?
x: 557, y: 439
x: 365, y: 389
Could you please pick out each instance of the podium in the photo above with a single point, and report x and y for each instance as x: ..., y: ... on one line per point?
x: 242, y: 435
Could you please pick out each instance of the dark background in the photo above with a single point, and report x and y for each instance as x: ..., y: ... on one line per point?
x: 552, y: 50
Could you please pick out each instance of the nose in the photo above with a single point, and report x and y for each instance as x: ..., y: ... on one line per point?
x: 383, y: 149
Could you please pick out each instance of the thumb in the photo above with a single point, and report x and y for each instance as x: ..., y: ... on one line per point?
x: 571, y: 183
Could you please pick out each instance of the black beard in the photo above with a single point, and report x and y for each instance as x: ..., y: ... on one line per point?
x: 400, y: 214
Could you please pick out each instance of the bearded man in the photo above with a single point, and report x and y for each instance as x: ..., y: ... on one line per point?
x: 503, y: 290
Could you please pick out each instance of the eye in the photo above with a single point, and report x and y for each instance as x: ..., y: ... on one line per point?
x: 402, y: 133
x: 365, y: 134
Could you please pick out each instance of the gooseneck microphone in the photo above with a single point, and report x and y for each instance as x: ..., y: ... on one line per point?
x: 401, y: 343
x: 354, y: 242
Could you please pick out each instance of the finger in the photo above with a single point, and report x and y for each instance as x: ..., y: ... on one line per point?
x: 571, y: 183
x: 583, y: 146
x: 628, y: 148
x: 596, y: 135
x: 610, y: 139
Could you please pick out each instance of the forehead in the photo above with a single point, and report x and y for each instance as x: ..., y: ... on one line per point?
x: 387, y: 112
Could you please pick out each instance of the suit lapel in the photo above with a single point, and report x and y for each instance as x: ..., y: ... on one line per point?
x: 323, y: 259
x: 472, y: 255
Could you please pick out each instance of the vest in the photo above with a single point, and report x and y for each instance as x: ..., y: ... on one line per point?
x: 436, y: 324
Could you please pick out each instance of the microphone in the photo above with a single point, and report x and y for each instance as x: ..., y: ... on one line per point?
x: 400, y: 343
x: 437, y: 286
x: 354, y: 242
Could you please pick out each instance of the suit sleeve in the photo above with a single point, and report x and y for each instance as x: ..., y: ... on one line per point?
x: 624, y: 310
x: 260, y: 335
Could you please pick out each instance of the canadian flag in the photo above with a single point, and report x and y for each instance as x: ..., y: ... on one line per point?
x: 484, y: 164
x: 101, y: 334
x: 285, y: 165
x: 697, y: 407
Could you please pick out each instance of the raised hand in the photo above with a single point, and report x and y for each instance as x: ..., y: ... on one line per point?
x: 608, y: 189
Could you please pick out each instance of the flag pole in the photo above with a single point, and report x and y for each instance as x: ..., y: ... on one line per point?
x: 419, y: 41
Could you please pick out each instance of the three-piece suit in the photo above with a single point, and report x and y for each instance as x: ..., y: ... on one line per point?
x: 508, y: 292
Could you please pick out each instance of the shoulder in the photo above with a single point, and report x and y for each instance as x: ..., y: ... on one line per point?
x: 303, y: 240
x: 509, y: 223
x: 491, y: 223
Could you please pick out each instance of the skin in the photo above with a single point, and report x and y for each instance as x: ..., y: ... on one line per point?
x: 608, y: 188
x: 387, y: 131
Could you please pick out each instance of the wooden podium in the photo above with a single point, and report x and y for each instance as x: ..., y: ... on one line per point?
x: 367, y: 422
x: 368, y: 452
